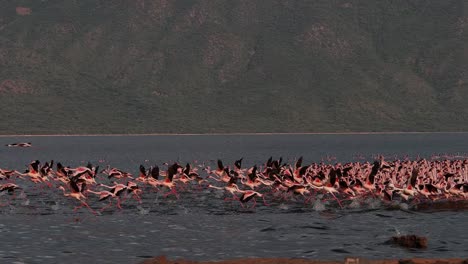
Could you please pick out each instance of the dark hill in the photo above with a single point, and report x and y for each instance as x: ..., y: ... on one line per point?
x: 197, y: 66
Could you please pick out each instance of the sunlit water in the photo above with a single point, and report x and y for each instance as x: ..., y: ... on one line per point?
x: 40, y: 225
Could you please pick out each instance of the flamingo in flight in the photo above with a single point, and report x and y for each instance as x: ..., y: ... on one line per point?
x: 20, y: 144
x: 76, y: 192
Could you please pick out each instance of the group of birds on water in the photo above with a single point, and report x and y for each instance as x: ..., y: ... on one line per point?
x: 275, y: 180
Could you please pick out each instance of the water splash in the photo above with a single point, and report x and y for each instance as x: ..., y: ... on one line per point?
x: 355, y: 204
x: 404, y: 206
x: 12, y: 208
x: 142, y: 210
x: 318, y: 205
x: 55, y: 206
x: 374, y: 203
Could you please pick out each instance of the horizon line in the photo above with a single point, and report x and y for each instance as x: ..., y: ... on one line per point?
x: 235, y: 134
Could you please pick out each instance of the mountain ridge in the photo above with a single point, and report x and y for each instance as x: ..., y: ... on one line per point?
x: 197, y: 66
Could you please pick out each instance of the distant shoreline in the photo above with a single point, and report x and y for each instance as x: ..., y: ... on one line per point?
x: 347, y: 260
x: 230, y: 134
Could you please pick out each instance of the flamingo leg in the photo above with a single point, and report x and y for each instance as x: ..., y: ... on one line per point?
x: 137, y: 198
x: 254, y: 203
x: 284, y: 197
x: 107, y: 206
x: 307, y: 200
x: 12, y: 198
x: 118, y: 203
x: 77, y: 208
x: 174, y: 192
x: 199, y: 187
x: 233, y: 198
x: 339, y: 203
x: 89, y: 208
x: 242, y: 204
x: 124, y: 198
x: 182, y: 188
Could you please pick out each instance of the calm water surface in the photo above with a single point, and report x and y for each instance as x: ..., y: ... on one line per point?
x: 41, y: 227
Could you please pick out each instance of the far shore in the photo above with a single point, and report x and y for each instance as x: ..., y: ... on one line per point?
x: 233, y: 134
x: 348, y: 260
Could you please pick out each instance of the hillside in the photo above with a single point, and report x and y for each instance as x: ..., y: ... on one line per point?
x: 199, y: 66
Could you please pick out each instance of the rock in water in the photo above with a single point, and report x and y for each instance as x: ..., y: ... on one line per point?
x: 410, y: 241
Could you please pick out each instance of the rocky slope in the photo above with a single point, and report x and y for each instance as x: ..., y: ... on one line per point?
x: 198, y: 66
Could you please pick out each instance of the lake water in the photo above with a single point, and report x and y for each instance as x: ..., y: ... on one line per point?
x: 41, y: 227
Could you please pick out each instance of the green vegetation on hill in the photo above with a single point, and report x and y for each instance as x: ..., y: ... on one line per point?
x: 200, y: 66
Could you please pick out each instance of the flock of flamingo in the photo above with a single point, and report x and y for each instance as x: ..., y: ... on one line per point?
x: 274, y: 180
